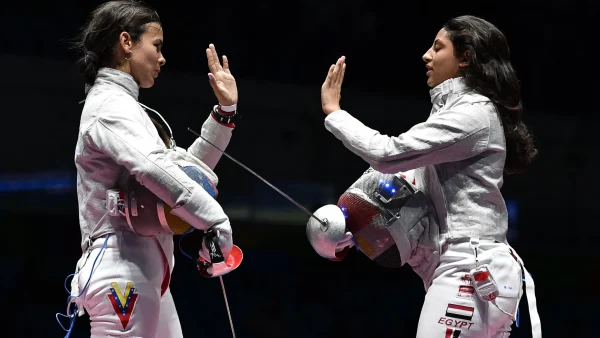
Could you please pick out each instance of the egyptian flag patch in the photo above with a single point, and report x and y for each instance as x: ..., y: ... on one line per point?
x: 459, y: 311
x: 452, y: 333
x: 123, y: 302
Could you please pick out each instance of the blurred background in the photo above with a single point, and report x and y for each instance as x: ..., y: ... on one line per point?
x: 280, y: 52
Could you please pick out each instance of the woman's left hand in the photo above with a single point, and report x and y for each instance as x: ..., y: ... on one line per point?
x: 331, y: 91
x: 220, y: 78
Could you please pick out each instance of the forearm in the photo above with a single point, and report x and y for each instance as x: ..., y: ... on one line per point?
x: 130, y: 146
x: 436, y: 141
x: 217, y: 134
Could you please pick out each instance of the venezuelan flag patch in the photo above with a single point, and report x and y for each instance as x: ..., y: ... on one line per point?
x: 123, y: 302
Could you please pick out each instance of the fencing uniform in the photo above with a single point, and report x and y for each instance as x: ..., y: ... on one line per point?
x: 458, y: 158
x: 127, y: 293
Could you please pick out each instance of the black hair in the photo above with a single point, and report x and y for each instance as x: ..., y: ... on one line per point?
x: 101, y: 33
x: 491, y: 74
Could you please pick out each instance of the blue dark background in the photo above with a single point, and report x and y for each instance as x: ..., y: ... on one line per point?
x: 280, y: 52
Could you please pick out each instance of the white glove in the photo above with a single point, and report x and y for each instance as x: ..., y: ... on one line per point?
x: 346, y: 241
x: 223, y: 232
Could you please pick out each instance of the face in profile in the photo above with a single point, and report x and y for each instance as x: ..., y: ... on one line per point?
x: 146, y: 56
x: 440, y: 60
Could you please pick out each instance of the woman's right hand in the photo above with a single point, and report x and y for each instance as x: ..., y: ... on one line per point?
x: 345, y: 242
x: 225, y: 241
x: 331, y: 90
x: 220, y: 78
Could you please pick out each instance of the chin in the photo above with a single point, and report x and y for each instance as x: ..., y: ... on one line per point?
x: 147, y: 84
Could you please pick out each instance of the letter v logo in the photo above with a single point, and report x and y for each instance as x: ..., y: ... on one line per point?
x: 123, y: 303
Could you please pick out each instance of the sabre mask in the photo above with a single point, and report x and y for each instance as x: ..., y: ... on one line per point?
x: 392, y: 223
x: 148, y: 215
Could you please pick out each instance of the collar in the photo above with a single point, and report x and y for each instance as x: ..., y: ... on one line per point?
x: 440, y: 93
x: 117, y: 78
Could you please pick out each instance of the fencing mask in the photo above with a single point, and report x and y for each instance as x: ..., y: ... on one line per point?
x: 386, y: 214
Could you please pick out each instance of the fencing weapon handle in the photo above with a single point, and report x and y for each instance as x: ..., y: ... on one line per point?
x: 323, y: 222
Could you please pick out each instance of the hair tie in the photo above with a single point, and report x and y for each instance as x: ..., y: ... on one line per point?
x: 91, y: 57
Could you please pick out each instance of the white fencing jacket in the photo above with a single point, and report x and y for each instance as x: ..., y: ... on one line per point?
x: 116, y: 136
x: 458, y: 155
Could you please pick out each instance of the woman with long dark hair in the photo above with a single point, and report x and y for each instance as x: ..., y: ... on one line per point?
x: 474, y: 135
x: 122, y: 278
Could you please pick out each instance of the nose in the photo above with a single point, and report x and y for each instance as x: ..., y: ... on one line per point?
x: 162, y: 60
x: 427, y: 56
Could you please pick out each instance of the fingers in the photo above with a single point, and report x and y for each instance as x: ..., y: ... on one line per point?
x: 226, y: 64
x: 339, y: 70
x: 212, y: 80
x: 336, y: 70
x: 342, y: 73
x: 213, y: 59
x: 216, y: 56
x: 346, y: 237
x: 335, y: 76
x: 204, y: 255
x: 345, y: 241
x: 204, y: 251
x: 329, y: 75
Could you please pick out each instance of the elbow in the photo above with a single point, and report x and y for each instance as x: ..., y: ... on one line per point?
x: 390, y: 165
x: 382, y: 166
x: 379, y: 155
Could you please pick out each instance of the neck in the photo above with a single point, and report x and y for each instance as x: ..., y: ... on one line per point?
x: 119, y: 78
x: 124, y: 67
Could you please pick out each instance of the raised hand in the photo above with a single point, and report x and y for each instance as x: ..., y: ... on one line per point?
x: 220, y: 78
x: 331, y: 91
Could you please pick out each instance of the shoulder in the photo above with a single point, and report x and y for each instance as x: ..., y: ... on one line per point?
x: 116, y: 109
x: 101, y: 100
x: 117, y: 101
x: 472, y: 107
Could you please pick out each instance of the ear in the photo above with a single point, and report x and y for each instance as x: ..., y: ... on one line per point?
x: 125, y: 42
x: 466, y: 59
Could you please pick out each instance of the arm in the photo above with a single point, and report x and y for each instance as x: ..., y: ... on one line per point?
x: 225, y: 89
x: 120, y: 132
x: 216, y: 133
x: 446, y: 136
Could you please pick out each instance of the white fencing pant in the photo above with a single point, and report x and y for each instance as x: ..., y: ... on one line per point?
x: 128, y: 293
x: 452, y: 309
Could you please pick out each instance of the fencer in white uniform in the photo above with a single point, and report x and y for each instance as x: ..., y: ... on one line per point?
x: 122, y: 278
x: 458, y: 156
x: 133, y: 272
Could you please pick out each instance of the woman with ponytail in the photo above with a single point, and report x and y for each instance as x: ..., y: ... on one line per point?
x: 122, y: 279
x: 473, y: 136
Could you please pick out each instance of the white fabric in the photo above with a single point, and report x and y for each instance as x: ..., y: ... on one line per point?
x: 116, y: 137
x: 536, y: 323
x: 183, y: 158
x: 229, y: 109
x: 458, y: 155
x: 127, y: 257
x: 450, y: 297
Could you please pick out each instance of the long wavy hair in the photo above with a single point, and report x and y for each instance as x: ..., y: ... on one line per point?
x: 491, y: 74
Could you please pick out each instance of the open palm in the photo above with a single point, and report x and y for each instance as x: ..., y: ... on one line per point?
x: 221, y: 80
x: 331, y: 90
